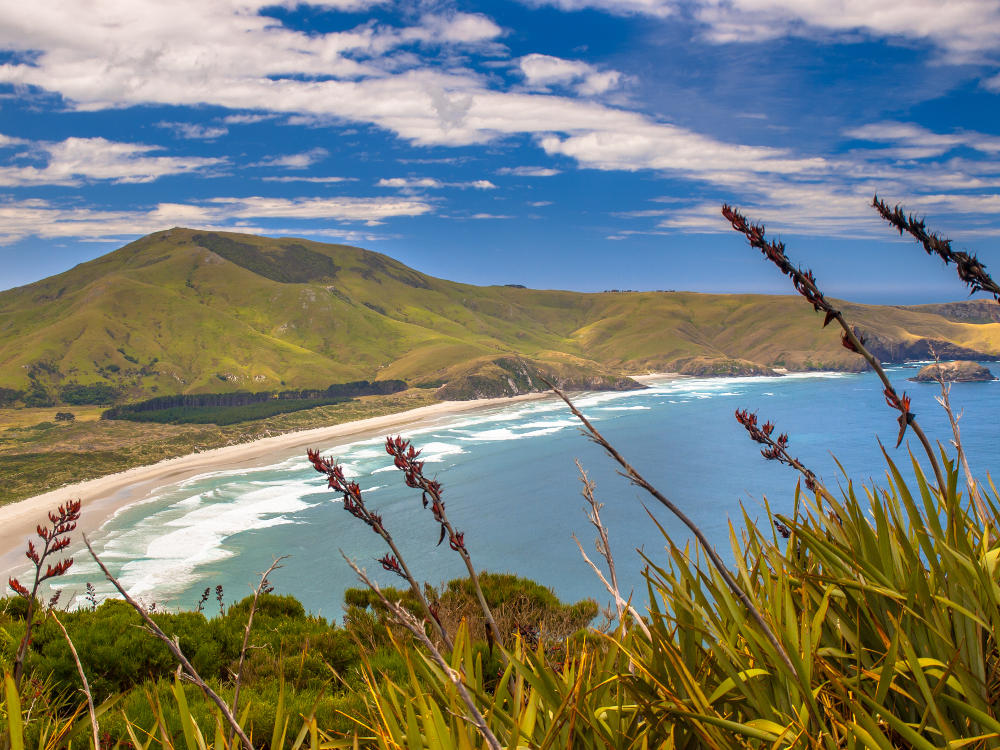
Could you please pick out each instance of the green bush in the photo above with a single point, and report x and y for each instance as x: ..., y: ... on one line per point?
x: 100, y: 394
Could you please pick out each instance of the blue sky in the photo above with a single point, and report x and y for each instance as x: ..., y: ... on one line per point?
x: 579, y: 144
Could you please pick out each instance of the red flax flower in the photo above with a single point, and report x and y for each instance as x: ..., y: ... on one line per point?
x: 777, y: 448
x: 970, y: 270
x: 902, y: 405
x: 350, y: 491
x: 354, y: 504
x: 391, y: 564
x: 56, y: 538
x: 803, y: 281
x: 405, y: 459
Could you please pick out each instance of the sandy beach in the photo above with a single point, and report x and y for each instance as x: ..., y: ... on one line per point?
x: 105, y: 496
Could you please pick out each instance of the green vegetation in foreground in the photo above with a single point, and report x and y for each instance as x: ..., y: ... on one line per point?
x: 298, y: 664
x: 37, y: 456
x: 886, y: 600
x: 867, y: 618
x: 263, y: 313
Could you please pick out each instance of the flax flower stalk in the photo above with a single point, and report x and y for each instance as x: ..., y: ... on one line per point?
x: 405, y: 458
x: 805, y: 284
x: 355, y: 505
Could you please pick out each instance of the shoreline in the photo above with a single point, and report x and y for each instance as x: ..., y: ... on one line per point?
x: 105, y: 496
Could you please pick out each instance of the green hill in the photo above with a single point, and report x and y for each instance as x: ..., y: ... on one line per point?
x: 186, y: 311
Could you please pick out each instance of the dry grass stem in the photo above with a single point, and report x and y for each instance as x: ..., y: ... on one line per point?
x: 621, y: 605
x: 945, y: 400
x: 604, y: 549
x: 246, y: 634
x: 175, y: 649
x: 83, y: 679
x: 405, y: 457
x: 636, y: 478
x: 408, y: 621
x: 355, y: 505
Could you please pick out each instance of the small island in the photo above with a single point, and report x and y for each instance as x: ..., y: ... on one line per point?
x: 961, y: 371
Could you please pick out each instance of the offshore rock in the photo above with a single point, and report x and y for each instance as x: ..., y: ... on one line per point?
x: 961, y: 371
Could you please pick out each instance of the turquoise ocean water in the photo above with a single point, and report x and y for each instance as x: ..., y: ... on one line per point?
x: 511, y: 485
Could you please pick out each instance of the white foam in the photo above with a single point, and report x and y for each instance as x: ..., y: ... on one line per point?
x: 435, y: 452
x: 489, y: 436
x: 163, y: 551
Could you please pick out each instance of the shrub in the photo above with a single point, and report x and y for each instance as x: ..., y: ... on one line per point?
x: 10, y: 396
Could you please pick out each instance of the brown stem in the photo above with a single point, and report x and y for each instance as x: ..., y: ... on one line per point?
x: 175, y: 649
x: 83, y: 679
x: 433, y: 489
x: 350, y: 490
x: 713, y: 556
x: 805, y: 285
x: 945, y: 401
x: 407, y: 620
x: 474, y: 577
x: 417, y: 592
x: 246, y: 636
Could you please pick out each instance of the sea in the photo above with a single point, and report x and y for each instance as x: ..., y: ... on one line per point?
x: 512, y: 486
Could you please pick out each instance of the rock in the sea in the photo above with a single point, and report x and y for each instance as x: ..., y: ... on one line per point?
x: 719, y: 367
x: 961, y: 371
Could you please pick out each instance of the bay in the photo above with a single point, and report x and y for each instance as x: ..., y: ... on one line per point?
x: 510, y: 484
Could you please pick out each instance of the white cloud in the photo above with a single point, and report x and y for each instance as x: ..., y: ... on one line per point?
x: 302, y: 160
x: 247, y: 119
x: 529, y: 171
x: 459, y: 28
x: 224, y: 54
x: 964, y: 29
x: 543, y: 71
x: 915, y: 142
x: 193, y: 130
x: 410, y: 183
x: 657, y: 8
x: 415, y: 183
x: 40, y: 218
x: 368, y: 210
x: 303, y: 178
x: 76, y: 160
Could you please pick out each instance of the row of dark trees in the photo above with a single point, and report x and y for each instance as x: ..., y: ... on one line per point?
x: 246, y: 398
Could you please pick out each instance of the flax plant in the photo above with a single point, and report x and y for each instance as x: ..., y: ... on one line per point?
x: 866, y: 618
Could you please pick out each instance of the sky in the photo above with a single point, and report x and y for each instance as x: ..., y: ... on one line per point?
x: 571, y: 144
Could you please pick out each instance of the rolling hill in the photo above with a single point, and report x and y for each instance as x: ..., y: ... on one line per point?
x: 188, y: 311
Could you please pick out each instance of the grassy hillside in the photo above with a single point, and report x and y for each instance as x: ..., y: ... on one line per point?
x: 183, y: 311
